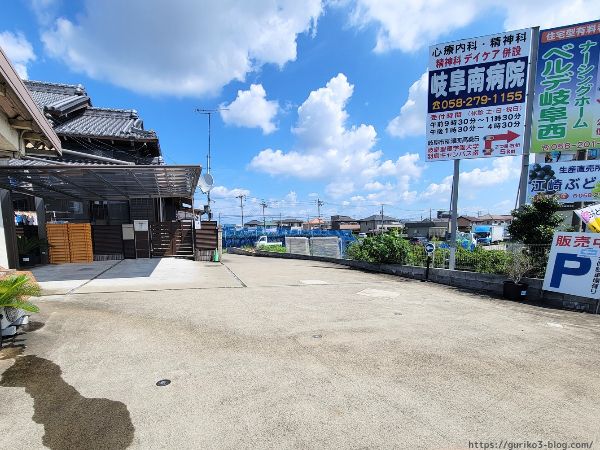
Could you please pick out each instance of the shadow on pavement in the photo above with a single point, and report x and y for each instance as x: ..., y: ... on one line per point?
x: 70, y: 420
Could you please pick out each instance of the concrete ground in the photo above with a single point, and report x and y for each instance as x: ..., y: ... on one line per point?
x: 271, y: 353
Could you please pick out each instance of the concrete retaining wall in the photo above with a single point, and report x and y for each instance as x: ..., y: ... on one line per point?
x: 483, y: 282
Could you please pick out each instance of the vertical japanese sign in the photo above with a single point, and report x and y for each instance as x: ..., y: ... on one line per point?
x: 566, y: 115
x: 574, y: 265
x: 476, y: 99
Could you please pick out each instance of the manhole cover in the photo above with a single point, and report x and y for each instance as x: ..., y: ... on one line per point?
x: 164, y: 382
x: 317, y: 336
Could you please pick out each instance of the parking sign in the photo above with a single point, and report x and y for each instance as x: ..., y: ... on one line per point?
x: 574, y: 264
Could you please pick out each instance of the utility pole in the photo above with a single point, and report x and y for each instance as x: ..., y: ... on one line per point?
x: 242, y: 197
x: 209, y: 113
x: 264, y: 205
x: 381, y: 229
x: 319, y: 204
x: 522, y: 191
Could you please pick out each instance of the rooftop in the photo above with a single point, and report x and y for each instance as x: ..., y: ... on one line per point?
x: 378, y: 217
x: 70, y: 110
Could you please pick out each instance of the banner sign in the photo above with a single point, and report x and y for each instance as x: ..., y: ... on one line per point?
x: 574, y: 265
x: 476, y: 97
x: 572, y: 181
x: 566, y: 113
x: 591, y: 217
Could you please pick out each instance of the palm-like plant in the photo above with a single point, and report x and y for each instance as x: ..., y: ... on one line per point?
x: 27, y: 245
x: 15, y: 290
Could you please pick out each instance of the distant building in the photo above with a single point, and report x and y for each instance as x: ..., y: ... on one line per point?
x: 290, y: 223
x: 377, y: 222
x: 260, y: 223
x: 465, y: 223
x: 344, y: 223
x: 494, y: 219
x: 428, y: 228
x: 315, y: 224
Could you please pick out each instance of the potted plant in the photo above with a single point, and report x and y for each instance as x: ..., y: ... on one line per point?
x: 29, y: 250
x: 14, y: 305
x: 517, y: 265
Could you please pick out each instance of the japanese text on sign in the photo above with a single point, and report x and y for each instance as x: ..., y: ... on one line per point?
x: 574, y: 265
x: 567, y: 103
x: 476, y: 97
x: 571, y: 181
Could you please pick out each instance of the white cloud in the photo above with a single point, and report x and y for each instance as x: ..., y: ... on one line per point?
x: 501, y: 170
x: 337, y: 189
x: 396, y: 19
x: 179, y: 47
x: 438, y: 190
x: 223, y: 192
x: 549, y: 13
x: 411, y: 120
x: 327, y: 148
x: 374, y: 186
x: 412, y: 24
x: 251, y: 109
x: 291, y: 197
x: 18, y: 50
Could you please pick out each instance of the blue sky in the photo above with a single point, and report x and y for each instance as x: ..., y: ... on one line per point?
x: 326, y: 99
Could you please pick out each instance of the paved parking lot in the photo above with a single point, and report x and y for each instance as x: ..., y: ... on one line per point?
x: 269, y: 353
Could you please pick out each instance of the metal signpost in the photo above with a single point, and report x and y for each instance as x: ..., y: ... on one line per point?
x: 430, y: 249
x: 477, y: 102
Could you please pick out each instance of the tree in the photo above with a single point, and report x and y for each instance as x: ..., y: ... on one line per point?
x: 535, y: 224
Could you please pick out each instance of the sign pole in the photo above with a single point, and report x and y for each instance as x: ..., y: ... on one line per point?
x: 523, y: 182
x: 454, y: 215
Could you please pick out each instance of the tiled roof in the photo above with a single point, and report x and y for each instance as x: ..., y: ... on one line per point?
x: 54, y: 161
x: 343, y: 219
x: 72, y: 114
x: 106, y: 123
x: 58, y: 99
x: 378, y: 217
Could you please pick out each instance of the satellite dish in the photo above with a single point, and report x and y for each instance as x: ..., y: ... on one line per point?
x: 205, y: 182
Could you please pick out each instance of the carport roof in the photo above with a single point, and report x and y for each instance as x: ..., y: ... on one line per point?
x: 100, y: 182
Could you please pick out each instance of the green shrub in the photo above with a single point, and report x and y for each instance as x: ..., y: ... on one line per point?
x: 386, y: 248
x: 272, y: 248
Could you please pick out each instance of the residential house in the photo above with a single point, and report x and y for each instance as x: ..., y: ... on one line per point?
x: 344, y: 223
x: 78, y: 163
x: 315, y: 224
x: 465, y: 223
x: 24, y: 131
x: 428, y: 228
x: 378, y: 222
x: 260, y: 224
x: 290, y: 223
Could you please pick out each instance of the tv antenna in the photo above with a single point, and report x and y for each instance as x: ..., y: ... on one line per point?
x: 209, y: 113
